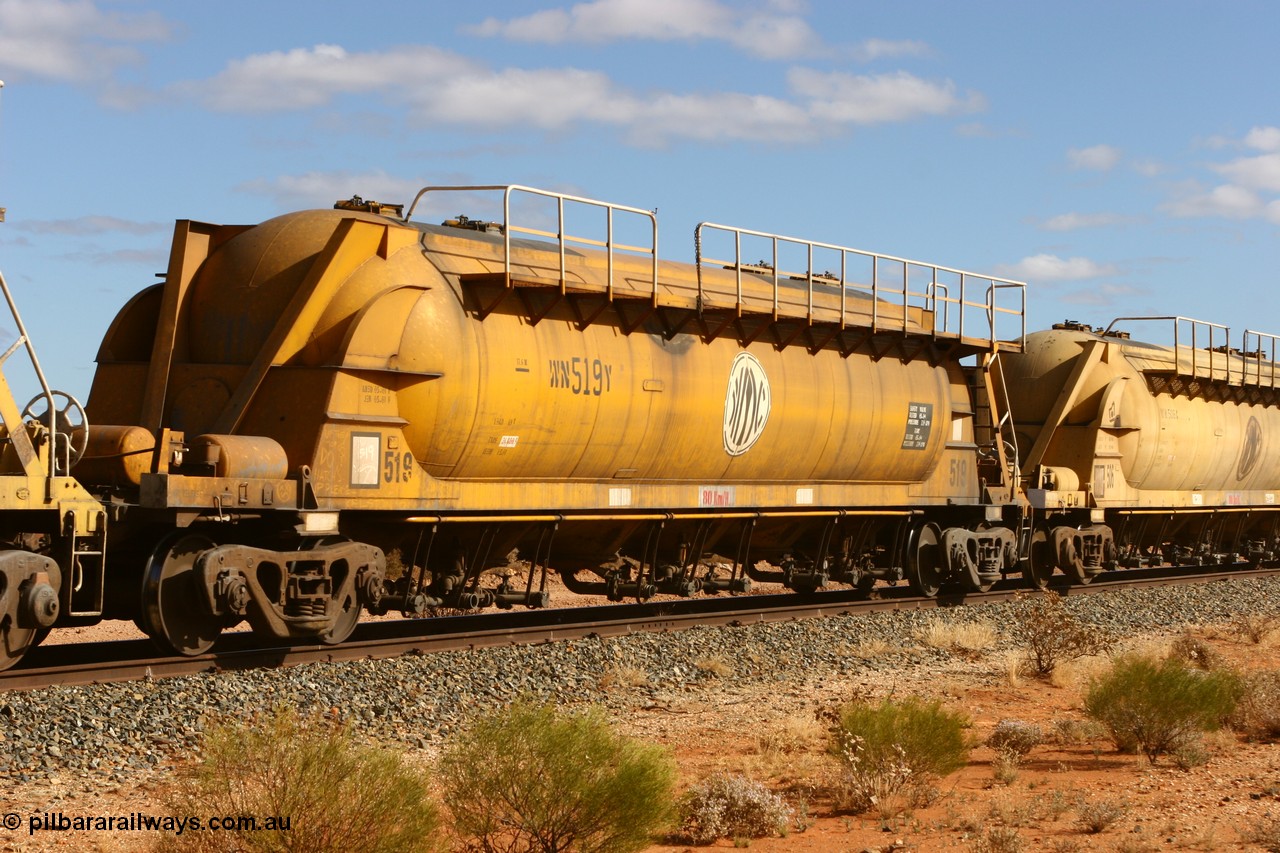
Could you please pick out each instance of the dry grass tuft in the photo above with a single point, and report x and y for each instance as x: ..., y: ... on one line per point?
x: 1075, y: 675
x: 1257, y: 716
x: 792, y: 735
x: 870, y: 648
x: 621, y: 676
x: 1094, y: 816
x: 715, y: 666
x: 966, y: 638
x: 1257, y: 628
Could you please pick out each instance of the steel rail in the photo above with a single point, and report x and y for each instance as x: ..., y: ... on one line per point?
x: 131, y: 660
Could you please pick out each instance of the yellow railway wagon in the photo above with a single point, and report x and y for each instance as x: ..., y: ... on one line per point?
x: 1160, y: 453
x: 462, y: 395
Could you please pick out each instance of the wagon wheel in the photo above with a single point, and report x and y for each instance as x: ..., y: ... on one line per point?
x: 69, y: 419
x: 1069, y: 559
x: 174, y: 613
x: 349, y: 606
x: 972, y: 575
x: 15, y: 640
x: 924, y: 561
x: 346, y: 622
x: 1078, y: 574
x: 1038, y: 568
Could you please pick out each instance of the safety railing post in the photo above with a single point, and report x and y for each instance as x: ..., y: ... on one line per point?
x: 561, y: 235
x: 937, y: 299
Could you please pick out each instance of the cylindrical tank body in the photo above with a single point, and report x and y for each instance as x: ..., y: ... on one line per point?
x: 240, y: 456
x: 1172, y: 433
x: 599, y: 404
x: 506, y: 396
x: 116, y: 455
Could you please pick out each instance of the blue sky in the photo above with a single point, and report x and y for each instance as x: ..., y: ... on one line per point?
x: 1121, y: 157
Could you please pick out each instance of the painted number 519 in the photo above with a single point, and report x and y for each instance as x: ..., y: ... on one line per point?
x: 397, y: 468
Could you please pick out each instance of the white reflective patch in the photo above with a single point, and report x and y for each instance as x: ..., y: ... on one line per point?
x: 320, y: 522
x: 509, y: 441
x: 366, y: 456
x: 1197, y: 500
x: 619, y: 497
x: 804, y: 496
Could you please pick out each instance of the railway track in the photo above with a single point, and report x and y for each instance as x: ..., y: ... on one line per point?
x: 127, y: 660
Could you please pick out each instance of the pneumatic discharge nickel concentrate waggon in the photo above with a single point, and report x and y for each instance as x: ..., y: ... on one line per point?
x: 347, y: 410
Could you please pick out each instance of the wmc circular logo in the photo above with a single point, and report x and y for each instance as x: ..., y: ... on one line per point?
x: 746, y: 404
x: 1252, y: 449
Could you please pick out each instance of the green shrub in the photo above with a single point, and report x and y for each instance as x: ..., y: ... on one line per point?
x: 1160, y: 706
x: 1094, y: 816
x: 1015, y: 737
x: 1256, y: 627
x: 1195, y: 652
x: 529, y: 778
x: 998, y: 839
x: 724, y: 806
x: 896, y: 745
x: 1050, y: 634
x: 1257, y: 716
x: 311, y: 772
x: 1264, y: 832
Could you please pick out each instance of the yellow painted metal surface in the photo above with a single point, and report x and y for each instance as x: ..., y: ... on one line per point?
x: 117, y: 455
x: 357, y: 344
x: 1134, y: 442
x: 240, y: 456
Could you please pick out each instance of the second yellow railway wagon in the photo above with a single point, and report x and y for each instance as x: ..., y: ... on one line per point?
x: 1142, y: 454
x: 346, y: 409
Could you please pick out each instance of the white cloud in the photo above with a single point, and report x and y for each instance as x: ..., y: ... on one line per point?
x: 72, y: 40
x: 544, y: 98
x: 1047, y: 268
x: 1257, y: 173
x: 718, y: 117
x: 441, y: 87
x: 777, y: 34
x: 1227, y: 200
x: 1263, y: 138
x: 155, y: 258
x: 1102, y: 295
x: 322, y: 189
x: 305, y: 78
x: 85, y: 225
x: 771, y: 36
x: 1098, y: 158
x: 873, y: 49
x: 1076, y: 221
x: 608, y: 20
x: 845, y: 98
x: 1252, y: 187
x: 1148, y: 168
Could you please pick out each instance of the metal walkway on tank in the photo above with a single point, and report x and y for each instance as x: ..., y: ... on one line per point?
x: 896, y: 305
x: 1200, y: 360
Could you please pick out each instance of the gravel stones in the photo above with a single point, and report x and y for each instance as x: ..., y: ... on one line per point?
x: 414, y: 701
